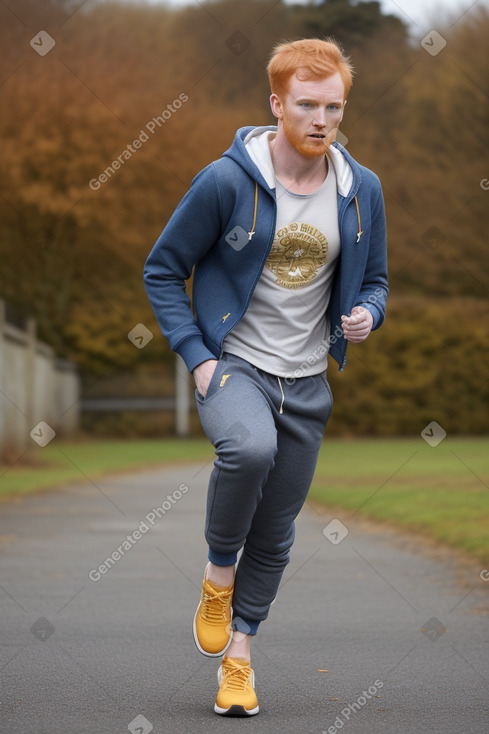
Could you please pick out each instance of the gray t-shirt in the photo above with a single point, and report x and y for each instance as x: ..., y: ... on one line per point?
x: 285, y: 330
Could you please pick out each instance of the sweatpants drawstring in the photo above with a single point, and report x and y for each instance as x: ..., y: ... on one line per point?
x: 283, y: 396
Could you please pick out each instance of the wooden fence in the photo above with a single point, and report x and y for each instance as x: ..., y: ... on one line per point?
x: 35, y: 388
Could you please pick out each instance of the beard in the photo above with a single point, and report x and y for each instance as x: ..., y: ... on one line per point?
x: 306, y: 146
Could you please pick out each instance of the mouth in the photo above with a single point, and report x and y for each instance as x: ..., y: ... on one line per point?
x: 318, y: 136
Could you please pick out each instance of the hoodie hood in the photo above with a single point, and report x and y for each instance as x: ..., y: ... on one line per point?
x: 250, y: 149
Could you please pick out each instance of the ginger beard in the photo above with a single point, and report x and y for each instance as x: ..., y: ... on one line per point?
x: 304, y: 144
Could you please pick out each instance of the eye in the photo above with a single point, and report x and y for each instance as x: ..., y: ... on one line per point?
x: 305, y: 105
x: 333, y: 107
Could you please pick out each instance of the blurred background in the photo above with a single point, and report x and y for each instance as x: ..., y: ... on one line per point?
x: 109, y: 109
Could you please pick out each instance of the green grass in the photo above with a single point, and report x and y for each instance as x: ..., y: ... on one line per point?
x: 441, y: 492
x: 65, y: 462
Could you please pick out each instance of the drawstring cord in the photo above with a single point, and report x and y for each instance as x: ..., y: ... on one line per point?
x: 283, y: 396
x: 360, y: 231
x: 252, y: 231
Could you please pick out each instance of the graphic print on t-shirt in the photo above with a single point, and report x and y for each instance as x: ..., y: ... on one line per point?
x: 298, y: 250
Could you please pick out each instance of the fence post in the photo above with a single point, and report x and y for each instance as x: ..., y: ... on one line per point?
x: 31, y: 333
x: 182, y: 398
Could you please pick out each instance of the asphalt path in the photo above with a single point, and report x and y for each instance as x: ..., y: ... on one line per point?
x: 369, y: 633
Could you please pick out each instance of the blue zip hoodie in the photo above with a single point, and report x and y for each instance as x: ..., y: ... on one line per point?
x: 210, y: 229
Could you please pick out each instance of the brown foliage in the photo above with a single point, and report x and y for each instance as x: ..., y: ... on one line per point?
x: 73, y: 255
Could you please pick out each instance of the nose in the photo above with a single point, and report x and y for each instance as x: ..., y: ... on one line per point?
x: 319, y: 118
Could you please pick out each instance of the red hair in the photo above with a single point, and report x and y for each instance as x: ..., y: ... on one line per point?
x: 309, y: 58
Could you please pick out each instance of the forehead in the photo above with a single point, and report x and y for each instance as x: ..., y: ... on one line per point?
x: 330, y: 87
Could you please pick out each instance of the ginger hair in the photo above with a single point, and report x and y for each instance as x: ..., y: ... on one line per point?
x: 308, y: 58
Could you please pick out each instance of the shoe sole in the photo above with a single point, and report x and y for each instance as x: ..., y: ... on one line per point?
x: 198, y: 645
x: 236, y: 711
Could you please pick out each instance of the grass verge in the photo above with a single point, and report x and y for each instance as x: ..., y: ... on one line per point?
x: 441, y: 492
x: 65, y: 462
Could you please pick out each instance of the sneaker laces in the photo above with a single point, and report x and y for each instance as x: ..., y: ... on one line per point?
x: 235, y: 675
x: 215, y: 604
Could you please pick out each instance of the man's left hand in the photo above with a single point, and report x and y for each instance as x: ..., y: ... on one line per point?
x: 358, y: 325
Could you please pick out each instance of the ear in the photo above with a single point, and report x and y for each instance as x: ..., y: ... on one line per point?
x: 276, y: 106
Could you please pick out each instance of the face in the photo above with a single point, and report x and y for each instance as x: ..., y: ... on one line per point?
x: 310, y: 113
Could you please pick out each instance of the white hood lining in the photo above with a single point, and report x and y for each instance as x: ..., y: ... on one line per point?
x: 257, y: 146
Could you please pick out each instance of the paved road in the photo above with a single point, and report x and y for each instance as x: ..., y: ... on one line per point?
x: 342, y: 651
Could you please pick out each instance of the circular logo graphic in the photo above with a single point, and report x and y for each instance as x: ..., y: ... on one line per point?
x: 297, y: 252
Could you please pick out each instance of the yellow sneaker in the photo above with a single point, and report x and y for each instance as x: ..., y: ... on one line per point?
x: 236, y: 695
x: 212, y: 621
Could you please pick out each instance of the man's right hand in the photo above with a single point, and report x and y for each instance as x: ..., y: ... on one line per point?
x: 203, y: 375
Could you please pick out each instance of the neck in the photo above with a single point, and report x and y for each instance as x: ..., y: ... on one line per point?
x: 296, y: 172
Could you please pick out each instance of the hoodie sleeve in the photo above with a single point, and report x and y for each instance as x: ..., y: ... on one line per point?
x: 374, y: 290
x: 191, y: 231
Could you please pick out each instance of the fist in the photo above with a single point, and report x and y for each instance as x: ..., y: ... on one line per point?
x: 358, y: 325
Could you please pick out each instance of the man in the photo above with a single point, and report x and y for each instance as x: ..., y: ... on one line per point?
x: 287, y: 235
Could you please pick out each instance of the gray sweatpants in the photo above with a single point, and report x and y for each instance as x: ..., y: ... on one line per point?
x: 267, y: 433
